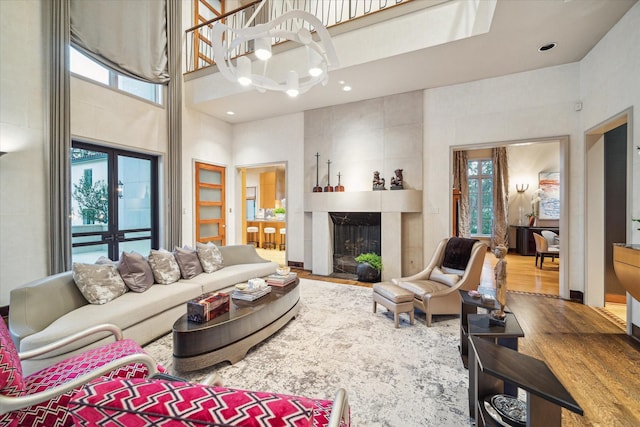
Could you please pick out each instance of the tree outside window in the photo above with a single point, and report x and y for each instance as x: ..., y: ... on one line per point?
x: 480, y: 178
x: 93, y: 200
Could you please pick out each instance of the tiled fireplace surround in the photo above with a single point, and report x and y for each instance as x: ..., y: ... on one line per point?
x: 390, y: 204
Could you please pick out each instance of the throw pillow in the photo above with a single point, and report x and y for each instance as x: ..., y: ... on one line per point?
x: 210, y: 257
x: 98, y: 283
x: 457, y: 253
x: 104, y: 260
x: 188, y: 262
x: 135, y: 271
x: 164, y: 266
x: 440, y: 276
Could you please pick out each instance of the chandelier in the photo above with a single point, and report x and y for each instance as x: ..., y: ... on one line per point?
x: 230, y: 52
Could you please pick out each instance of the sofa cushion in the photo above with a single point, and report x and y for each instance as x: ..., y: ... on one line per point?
x: 135, y: 271
x: 164, y: 266
x: 240, y: 254
x: 99, y: 283
x: 188, y: 262
x: 210, y: 257
x: 229, y: 276
x: 159, y: 403
x: 421, y: 288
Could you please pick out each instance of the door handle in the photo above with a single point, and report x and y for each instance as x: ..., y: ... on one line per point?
x: 108, y: 238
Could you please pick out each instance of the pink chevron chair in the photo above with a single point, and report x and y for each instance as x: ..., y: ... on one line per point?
x: 146, y: 402
x: 41, y: 399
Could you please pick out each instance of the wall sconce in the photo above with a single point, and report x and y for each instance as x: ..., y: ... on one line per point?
x: 521, y: 188
x: 120, y: 189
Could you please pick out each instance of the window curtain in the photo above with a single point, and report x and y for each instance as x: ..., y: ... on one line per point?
x: 174, y: 115
x: 500, y: 232
x: 127, y: 36
x: 59, y: 135
x: 461, y: 183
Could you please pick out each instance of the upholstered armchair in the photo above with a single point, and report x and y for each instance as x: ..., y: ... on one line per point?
x: 41, y: 398
x: 544, y: 249
x: 455, y: 264
x: 159, y: 402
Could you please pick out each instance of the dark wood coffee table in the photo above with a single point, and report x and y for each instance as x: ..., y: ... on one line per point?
x: 230, y: 336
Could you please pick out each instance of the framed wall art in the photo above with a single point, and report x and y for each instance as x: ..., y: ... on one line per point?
x: 549, y: 183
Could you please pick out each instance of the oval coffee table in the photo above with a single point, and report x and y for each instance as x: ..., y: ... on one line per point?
x: 230, y: 336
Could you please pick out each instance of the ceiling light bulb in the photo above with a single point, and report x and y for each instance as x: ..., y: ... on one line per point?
x: 315, y: 62
x: 244, y: 71
x: 292, y: 84
x: 346, y: 88
x: 263, y: 48
x: 315, y: 71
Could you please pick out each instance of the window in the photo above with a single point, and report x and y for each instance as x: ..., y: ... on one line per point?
x: 90, y: 69
x: 480, y: 176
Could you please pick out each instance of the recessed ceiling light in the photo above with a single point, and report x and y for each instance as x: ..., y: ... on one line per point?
x: 230, y: 113
x: 546, y: 47
x: 346, y: 88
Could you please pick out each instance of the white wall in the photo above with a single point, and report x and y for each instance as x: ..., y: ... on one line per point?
x: 276, y: 140
x: 609, y: 84
x: 23, y: 182
x: 523, y: 106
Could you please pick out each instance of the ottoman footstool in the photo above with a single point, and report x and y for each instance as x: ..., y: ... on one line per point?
x: 394, y: 299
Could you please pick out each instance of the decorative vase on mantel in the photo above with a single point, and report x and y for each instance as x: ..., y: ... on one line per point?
x: 532, y: 221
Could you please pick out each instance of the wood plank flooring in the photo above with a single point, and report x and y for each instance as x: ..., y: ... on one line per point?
x: 589, y: 352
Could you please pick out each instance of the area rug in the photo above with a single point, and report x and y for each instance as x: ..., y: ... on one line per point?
x: 411, y: 376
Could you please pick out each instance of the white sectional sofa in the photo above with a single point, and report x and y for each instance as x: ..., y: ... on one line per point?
x: 48, y: 309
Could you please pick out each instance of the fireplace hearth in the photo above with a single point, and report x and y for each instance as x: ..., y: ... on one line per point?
x: 354, y: 233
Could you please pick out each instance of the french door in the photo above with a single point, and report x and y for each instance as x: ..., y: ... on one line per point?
x: 210, y: 203
x: 114, y: 202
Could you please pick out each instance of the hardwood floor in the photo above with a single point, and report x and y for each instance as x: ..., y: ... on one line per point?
x: 587, y: 349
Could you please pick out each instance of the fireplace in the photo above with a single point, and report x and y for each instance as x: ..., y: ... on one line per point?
x: 354, y: 233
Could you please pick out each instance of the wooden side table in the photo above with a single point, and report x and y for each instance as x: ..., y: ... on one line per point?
x: 469, y: 305
x: 495, y: 365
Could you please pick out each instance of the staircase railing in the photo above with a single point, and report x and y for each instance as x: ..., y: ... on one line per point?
x: 199, y: 46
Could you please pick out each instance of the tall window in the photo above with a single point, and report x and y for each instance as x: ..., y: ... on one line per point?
x: 480, y: 175
x: 88, y: 68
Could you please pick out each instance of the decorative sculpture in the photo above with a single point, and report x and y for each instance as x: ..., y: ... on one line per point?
x: 378, y: 183
x: 328, y: 188
x: 339, y: 187
x: 500, y: 272
x: 396, y: 181
x: 317, y: 188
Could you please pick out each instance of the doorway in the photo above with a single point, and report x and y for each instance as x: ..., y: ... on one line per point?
x: 608, y: 179
x: 264, y: 207
x: 114, y: 202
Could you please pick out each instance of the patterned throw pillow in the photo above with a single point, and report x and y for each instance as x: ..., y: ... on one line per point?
x: 99, y: 283
x: 210, y: 257
x: 164, y: 266
x: 188, y: 261
x: 135, y: 271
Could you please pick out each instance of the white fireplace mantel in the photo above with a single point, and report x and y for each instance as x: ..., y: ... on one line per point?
x: 390, y: 203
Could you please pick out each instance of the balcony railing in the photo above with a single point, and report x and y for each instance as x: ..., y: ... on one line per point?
x: 199, y: 46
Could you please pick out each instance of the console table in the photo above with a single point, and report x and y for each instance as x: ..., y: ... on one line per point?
x: 525, y: 244
x: 493, y: 365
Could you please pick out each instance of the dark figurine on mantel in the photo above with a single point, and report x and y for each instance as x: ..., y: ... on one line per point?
x: 396, y: 181
x: 378, y: 183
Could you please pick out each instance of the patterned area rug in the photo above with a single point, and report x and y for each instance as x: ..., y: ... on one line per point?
x: 411, y: 376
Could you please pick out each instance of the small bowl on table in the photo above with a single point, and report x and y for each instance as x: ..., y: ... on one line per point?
x: 283, y: 270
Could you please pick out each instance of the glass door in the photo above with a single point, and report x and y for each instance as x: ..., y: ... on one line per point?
x: 210, y: 204
x: 114, y: 203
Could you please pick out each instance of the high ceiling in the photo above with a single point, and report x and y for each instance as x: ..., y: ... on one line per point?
x: 518, y: 29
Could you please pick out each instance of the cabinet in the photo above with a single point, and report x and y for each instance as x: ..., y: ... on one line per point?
x: 525, y: 244
x: 493, y: 365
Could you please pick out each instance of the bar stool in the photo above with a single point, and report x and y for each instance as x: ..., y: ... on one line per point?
x: 269, y: 238
x: 252, y: 236
x: 283, y: 237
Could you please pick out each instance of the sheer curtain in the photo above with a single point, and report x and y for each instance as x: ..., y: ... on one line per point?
x: 500, y: 232
x: 461, y: 183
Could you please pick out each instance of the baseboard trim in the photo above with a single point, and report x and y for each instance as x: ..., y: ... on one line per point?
x: 577, y: 296
x: 635, y: 331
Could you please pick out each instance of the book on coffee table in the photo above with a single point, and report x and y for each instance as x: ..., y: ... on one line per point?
x: 278, y: 280
x: 251, y: 295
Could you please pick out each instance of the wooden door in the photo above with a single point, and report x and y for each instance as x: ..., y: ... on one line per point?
x: 210, y: 203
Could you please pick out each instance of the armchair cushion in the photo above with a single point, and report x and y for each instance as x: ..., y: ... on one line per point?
x: 420, y: 288
x: 164, y: 403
